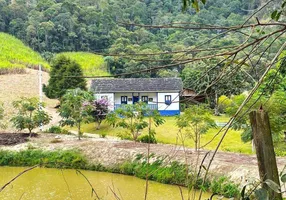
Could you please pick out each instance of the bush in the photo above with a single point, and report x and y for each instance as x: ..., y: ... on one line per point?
x: 124, y: 136
x: 224, y: 187
x: 66, y: 132
x: 58, y: 130
x: 54, y: 129
x: 147, y: 139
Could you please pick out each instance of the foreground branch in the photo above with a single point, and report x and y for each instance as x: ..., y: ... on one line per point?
x: 13, y: 179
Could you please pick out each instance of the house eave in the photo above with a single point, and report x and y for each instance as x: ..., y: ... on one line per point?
x: 159, y: 91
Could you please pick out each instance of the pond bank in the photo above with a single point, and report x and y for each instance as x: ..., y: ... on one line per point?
x: 109, y: 152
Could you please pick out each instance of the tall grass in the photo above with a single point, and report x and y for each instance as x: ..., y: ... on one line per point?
x: 92, y: 64
x: 15, y: 56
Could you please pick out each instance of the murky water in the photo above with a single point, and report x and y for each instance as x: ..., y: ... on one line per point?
x: 54, y: 184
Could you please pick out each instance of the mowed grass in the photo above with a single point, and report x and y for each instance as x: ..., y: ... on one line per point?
x: 92, y: 64
x: 168, y: 134
x: 15, y: 56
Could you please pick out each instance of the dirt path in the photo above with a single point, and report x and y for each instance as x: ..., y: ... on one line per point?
x: 109, y: 151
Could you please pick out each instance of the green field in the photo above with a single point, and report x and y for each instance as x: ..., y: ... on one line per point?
x: 168, y: 132
x: 15, y: 56
x: 92, y: 64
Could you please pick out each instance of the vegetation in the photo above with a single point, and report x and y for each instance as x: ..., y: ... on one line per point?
x: 62, y: 78
x: 75, y: 109
x: 173, y: 173
x: 167, y: 133
x: 271, y: 97
x: 16, y: 56
x: 195, y: 121
x: 52, y: 159
x: 91, y: 64
x: 58, y: 130
x: 131, y: 117
x: 30, y: 114
x: 100, y: 111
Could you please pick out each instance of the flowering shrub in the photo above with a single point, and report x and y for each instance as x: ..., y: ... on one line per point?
x: 100, y: 110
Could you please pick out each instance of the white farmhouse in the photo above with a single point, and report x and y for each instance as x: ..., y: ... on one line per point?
x: 160, y: 94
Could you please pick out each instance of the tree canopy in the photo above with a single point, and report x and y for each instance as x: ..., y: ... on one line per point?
x: 65, y: 74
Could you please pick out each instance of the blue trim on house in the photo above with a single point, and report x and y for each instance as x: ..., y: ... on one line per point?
x: 169, y: 112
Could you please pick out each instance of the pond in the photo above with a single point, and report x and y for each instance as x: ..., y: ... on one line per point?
x: 55, y: 184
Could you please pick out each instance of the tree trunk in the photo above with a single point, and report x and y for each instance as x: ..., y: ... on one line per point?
x: 264, y: 150
x: 216, y: 104
x: 30, y: 133
x: 78, y: 131
x: 196, y: 141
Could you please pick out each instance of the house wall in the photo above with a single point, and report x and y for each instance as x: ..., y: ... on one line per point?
x: 164, y: 109
x: 173, y: 108
x: 117, y: 96
x: 110, y: 98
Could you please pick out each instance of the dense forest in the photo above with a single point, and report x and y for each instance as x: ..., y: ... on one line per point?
x: 54, y: 26
x: 67, y: 25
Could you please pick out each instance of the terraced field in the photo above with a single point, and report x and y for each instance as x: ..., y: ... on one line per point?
x: 15, y: 56
x: 92, y: 64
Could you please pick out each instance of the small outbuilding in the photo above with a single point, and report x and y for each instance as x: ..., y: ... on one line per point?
x: 160, y: 94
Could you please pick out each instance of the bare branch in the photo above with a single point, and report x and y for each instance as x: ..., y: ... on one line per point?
x: 13, y: 179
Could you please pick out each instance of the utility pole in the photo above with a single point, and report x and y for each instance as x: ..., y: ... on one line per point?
x: 40, y: 93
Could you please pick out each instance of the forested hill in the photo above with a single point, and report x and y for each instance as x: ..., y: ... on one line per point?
x: 82, y: 25
x: 53, y: 26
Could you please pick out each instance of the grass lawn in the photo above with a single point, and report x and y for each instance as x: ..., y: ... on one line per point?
x: 167, y: 133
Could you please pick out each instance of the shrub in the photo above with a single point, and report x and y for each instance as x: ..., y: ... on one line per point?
x: 147, y: 139
x: 54, y: 159
x: 54, y: 129
x: 29, y: 114
x: 224, y: 187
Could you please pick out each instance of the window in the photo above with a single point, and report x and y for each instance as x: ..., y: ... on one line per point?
x: 144, y: 99
x: 104, y: 97
x: 168, y: 99
x: 150, y: 99
x: 123, y: 99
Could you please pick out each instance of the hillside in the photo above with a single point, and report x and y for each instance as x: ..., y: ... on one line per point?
x: 15, y: 86
x: 15, y: 56
x: 92, y: 64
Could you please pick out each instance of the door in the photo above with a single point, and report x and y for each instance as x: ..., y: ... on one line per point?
x: 135, y: 99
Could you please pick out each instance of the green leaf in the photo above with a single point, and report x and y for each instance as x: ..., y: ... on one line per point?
x: 261, y: 194
x: 283, y: 4
x: 278, y: 16
x: 283, y: 178
x: 273, y: 15
x: 274, y: 186
x: 204, y: 1
x: 195, y: 5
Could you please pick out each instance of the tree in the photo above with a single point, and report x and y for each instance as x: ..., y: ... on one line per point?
x: 65, y: 74
x: 30, y: 114
x: 195, y: 78
x: 132, y: 117
x: 100, y: 111
x: 195, y: 121
x: 75, y: 109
